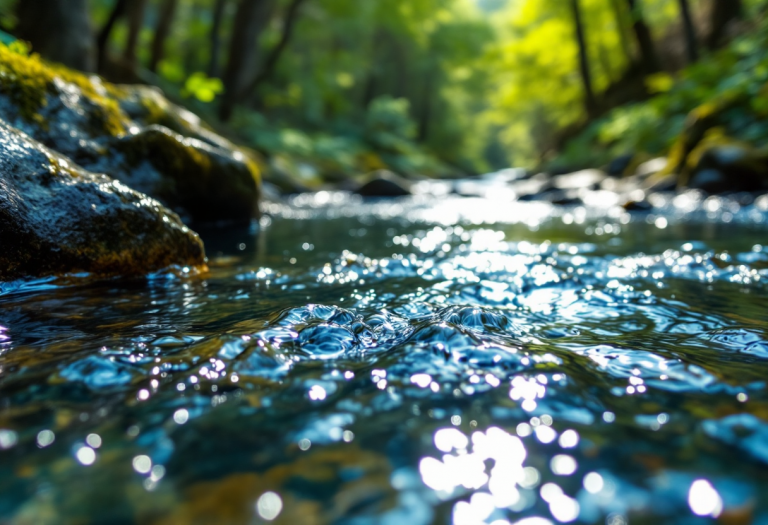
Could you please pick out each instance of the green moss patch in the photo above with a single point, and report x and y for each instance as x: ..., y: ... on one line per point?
x: 28, y: 80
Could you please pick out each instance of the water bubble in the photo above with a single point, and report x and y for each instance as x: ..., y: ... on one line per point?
x: 593, y: 482
x: 8, y: 438
x: 563, y: 465
x: 142, y: 464
x: 569, y: 439
x: 317, y: 393
x: 157, y: 473
x: 181, y: 416
x: 530, y: 478
x: 269, y: 506
x: 422, y: 380
x: 564, y: 509
x: 545, y: 434
x: 86, y: 455
x: 550, y: 492
x: 93, y: 440
x: 704, y: 500
x: 45, y: 438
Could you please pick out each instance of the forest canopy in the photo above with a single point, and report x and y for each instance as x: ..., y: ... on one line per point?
x: 330, y: 87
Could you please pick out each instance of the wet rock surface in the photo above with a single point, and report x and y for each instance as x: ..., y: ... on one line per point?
x: 384, y: 183
x: 57, y: 218
x: 132, y: 133
x: 730, y: 167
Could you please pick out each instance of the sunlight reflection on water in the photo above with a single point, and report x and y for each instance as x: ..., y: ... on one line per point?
x: 462, y: 360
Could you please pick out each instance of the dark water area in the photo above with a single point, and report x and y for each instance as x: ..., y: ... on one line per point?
x: 454, y: 360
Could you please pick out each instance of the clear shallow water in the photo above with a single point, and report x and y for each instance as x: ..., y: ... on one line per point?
x: 426, y: 361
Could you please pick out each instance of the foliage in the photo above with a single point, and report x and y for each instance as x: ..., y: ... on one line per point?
x: 733, y: 83
x: 437, y: 87
x: 202, y: 87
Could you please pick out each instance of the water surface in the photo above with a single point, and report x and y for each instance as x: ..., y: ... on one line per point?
x: 453, y: 360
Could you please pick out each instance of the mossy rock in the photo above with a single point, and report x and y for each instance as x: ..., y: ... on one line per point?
x: 207, y: 182
x: 110, y: 128
x: 57, y: 218
x: 719, y: 164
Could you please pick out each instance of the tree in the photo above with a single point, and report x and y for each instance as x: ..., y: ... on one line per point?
x: 60, y: 30
x: 690, y: 31
x: 215, y: 38
x: 648, y: 58
x: 723, y: 13
x: 251, y: 18
x: 586, y: 76
x: 118, y: 10
x: 289, y: 21
x: 135, y: 15
x: 162, y: 31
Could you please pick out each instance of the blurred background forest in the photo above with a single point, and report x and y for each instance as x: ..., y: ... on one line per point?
x: 328, y: 89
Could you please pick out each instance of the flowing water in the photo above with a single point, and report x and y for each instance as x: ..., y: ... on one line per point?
x: 453, y: 360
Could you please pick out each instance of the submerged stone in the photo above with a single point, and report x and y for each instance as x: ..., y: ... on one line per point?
x: 384, y: 183
x: 57, y: 218
x: 133, y: 133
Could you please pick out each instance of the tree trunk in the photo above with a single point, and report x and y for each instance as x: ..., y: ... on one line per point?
x: 103, y: 38
x: 162, y: 31
x: 648, y: 57
x: 586, y: 76
x: 60, y: 30
x: 425, y: 115
x: 690, y: 32
x: 723, y: 13
x: 250, y: 20
x: 135, y: 13
x: 291, y: 16
x: 215, y: 36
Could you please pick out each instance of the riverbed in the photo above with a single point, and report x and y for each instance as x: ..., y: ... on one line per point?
x: 432, y: 359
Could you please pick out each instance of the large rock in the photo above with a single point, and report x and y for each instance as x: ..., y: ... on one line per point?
x: 134, y: 134
x: 727, y: 167
x: 57, y: 218
x: 383, y: 183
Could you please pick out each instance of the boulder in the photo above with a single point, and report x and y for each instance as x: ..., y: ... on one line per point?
x: 134, y: 134
x: 709, y: 180
x: 383, y: 183
x: 637, y: 206
x: 651, y: 167
x: 619, y: 166
x: 728, y: 167
x: 555, y: 196
x: 660, y: 183
x: 57, y: 218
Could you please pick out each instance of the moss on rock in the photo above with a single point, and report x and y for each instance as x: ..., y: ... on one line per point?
x: 207, y: 182
x: 56, y: 218
x: 134, y: 134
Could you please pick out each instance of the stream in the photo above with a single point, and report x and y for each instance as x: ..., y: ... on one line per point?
x: 423, y: 360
